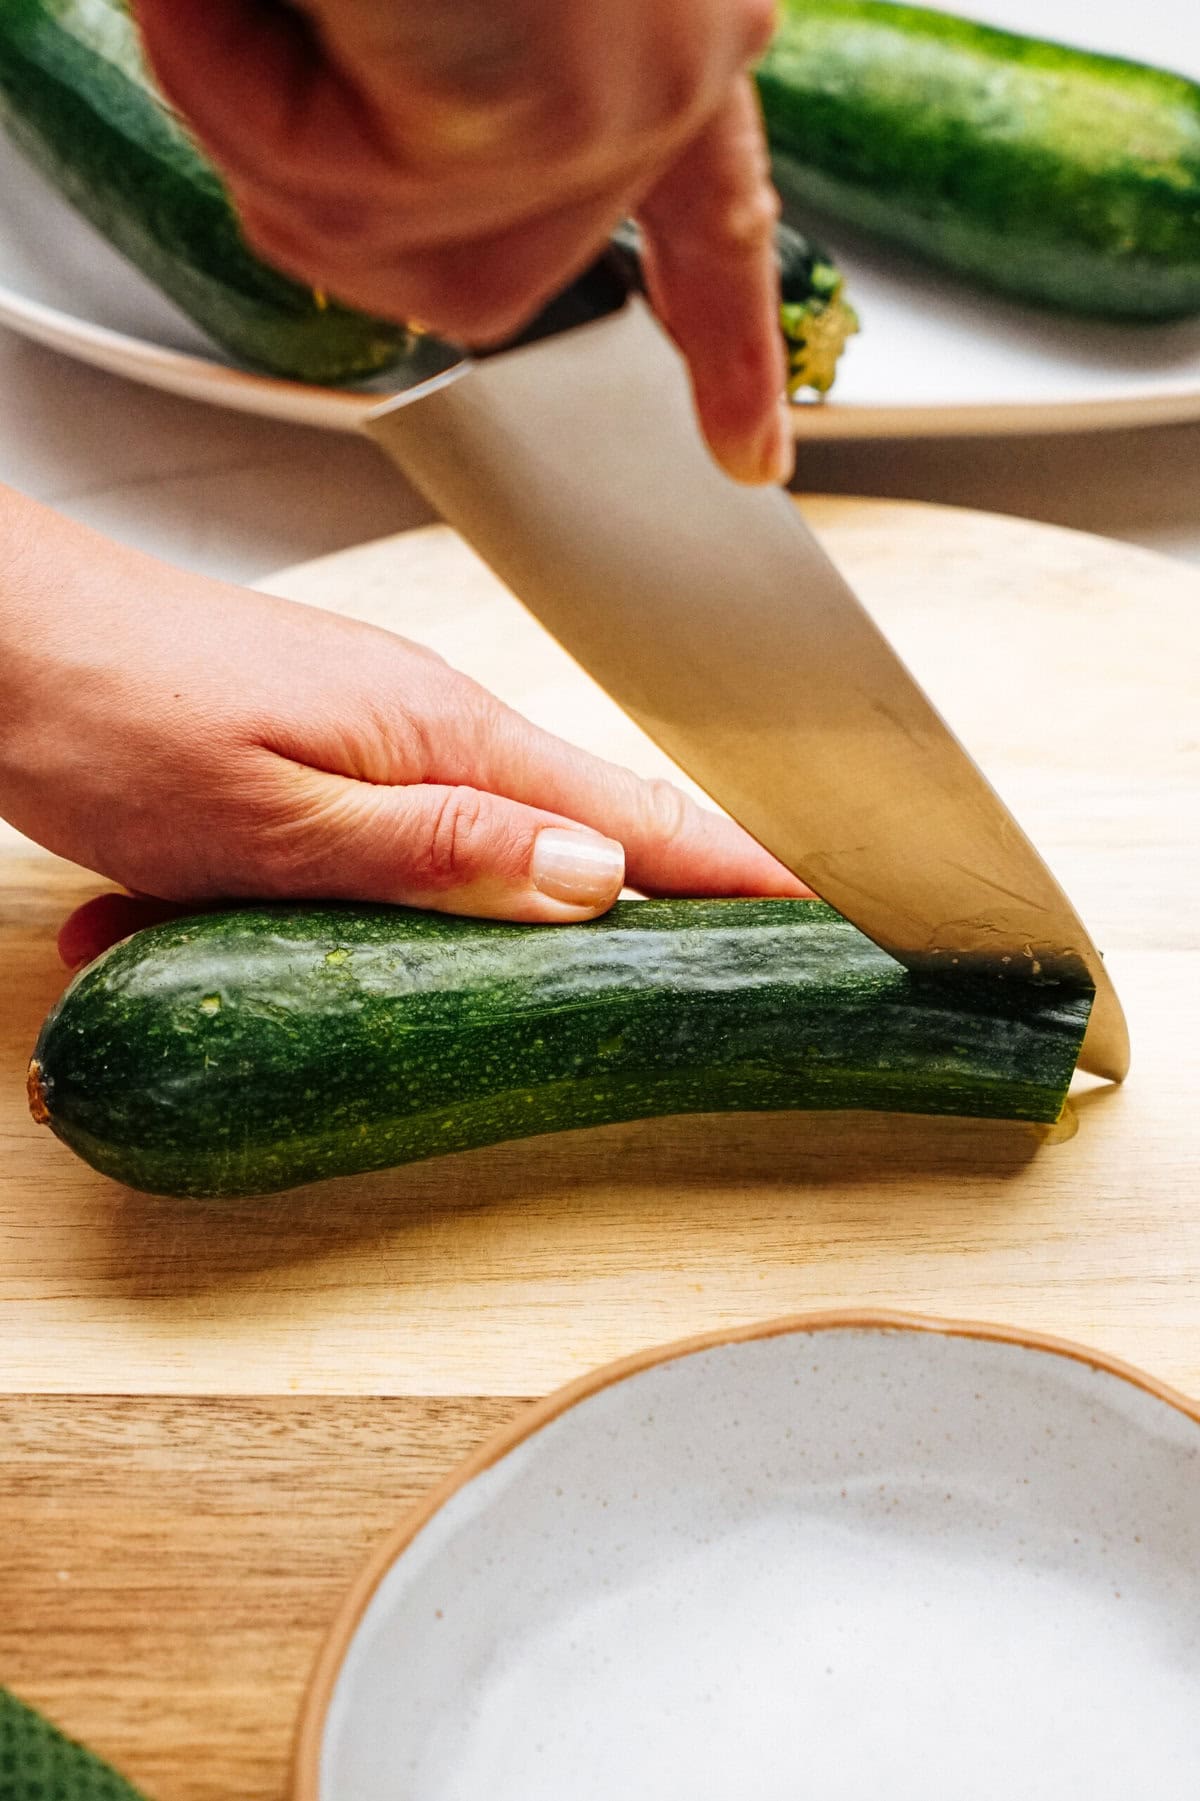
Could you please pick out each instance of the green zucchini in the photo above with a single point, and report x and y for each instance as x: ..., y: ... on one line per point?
x: 77, y: 99
x: 1053, y: 174
x: 244, y: 1052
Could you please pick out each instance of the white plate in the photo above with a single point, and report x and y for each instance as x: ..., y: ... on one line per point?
x: 830, y: 1558
x: 935, y: 355
x: 63, y: 285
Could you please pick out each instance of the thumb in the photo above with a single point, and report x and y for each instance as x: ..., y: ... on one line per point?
x: 449, y: 849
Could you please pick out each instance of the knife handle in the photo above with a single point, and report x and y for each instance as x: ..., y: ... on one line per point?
x: 601, y: 289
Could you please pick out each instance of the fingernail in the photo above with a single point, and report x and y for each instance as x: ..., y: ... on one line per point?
x: 581, y: 868
x: 779, y: 447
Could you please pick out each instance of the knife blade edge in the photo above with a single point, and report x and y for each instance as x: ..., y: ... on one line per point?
x: 710, y: 614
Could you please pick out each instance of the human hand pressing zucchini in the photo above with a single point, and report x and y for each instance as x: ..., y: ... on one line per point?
x: 196, y: 741
x: 456, y: 162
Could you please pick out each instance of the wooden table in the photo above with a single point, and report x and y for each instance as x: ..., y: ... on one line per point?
x: 210, y: 1412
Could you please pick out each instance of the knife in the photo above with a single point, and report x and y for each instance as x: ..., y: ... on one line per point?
x: 572, y: 463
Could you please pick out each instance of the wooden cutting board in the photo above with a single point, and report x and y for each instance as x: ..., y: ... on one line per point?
x: 1070, y: 666
x: 208, y: 1413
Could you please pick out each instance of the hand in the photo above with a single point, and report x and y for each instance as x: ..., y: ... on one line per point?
x: 195, y: 741
x: 456, y: 162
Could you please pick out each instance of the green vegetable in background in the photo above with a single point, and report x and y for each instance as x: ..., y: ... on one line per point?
x: 1050, y: 173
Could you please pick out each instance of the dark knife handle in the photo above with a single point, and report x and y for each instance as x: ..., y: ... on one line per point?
x: 601, y: 289
x: 808, y: 283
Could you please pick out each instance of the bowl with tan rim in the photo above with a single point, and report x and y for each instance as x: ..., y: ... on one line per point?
x: 839, y: 1556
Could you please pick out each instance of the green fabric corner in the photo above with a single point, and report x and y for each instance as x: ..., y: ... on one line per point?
x: 39, y: 1763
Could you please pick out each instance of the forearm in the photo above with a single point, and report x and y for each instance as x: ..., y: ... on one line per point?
x: 37, y: 559
x: 24, y: 528
x: 55, y: 576
x: 48, y: 563
x: 96, y: 645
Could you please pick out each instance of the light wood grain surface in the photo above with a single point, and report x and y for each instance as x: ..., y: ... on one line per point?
x: 208, y: 1413
x: 1069, y: 665
x: 169, y: 1567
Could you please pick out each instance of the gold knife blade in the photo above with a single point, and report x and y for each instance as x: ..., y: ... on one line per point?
x: 574, y: 467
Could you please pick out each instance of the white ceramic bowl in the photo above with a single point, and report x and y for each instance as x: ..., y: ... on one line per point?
x: 837, y: 1557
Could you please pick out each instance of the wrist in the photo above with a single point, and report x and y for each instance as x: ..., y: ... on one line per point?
x: 30, y: 584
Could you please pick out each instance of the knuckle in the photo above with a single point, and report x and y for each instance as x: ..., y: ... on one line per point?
x: 451, y: 734
x: 484, y: 728
x: 731, y: 214
x: 683, y: 84
x: 451, y: 848
x: 758, y: 25
x: 748, y: 222
x: 411, y: 742
x: 392, y: 744
x: 668, y: 811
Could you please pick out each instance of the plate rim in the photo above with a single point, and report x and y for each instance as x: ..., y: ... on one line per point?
x: 180, y: 372
x: 308, y: 1741
x: 209, y: 381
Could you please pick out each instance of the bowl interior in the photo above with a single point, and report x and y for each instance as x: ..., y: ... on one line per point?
x: 820, y: 1563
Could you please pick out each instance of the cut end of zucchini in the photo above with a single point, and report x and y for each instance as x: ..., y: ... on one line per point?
x: 817, y: 333
x: 815, y: 316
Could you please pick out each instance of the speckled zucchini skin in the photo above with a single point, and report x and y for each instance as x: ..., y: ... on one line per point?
x: 244, y: 1052
x: 1063, y: 177
x: 74, y: 94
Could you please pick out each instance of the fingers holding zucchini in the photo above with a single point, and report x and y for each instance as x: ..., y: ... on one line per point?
x: 197, y: 741
x: 76, y: 95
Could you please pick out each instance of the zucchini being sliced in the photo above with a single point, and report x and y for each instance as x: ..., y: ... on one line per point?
x: 1054, y: 174
x: 244, y: 1052
x: 76, y: 96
